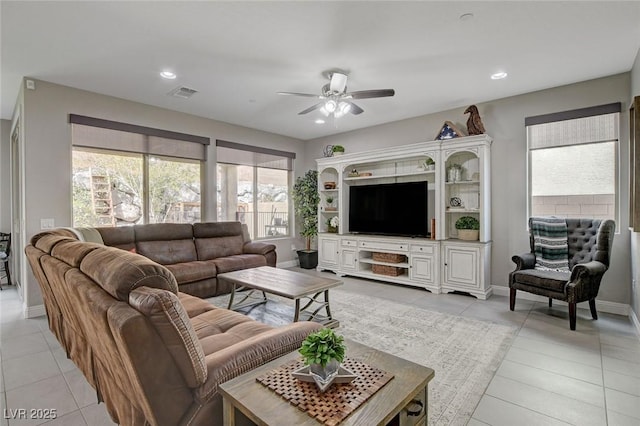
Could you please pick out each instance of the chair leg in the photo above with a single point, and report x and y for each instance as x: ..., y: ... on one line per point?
x: 550, y: 302
x: 592, y: 306
x: 512, y: 298
x: 6, y: 267
x: 572, y: 316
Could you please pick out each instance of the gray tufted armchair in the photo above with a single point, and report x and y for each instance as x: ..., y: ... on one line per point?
x: 589, y: 243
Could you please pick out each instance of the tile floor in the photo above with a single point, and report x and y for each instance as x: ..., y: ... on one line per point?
x: 550, y: 375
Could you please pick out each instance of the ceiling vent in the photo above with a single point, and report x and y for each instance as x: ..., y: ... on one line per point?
x: 182, y: 92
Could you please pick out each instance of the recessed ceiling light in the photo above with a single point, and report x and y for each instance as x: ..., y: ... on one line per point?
x: 319, y: 121
x: 168, y: 75
x: 499, y: 75
x: 466, y: 16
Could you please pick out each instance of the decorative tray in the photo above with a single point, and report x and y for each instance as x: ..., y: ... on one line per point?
x: 304, y: 375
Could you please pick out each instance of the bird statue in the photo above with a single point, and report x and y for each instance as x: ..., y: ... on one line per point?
x: 474, y: 123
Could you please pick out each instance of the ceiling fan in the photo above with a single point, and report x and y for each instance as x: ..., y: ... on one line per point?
x: 335, y: 100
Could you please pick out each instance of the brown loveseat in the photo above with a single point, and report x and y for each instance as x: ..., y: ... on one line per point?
x: 194, y: 254
x: 154, y: 355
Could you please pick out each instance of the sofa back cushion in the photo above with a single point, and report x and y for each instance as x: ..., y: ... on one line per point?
x: 218, y: 239
x: 119, y: 272
x: 172, y: 323
x: 122, y: 237
x: 166, y: 243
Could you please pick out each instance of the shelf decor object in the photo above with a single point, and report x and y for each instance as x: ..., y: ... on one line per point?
x: 449, y: 131
x: 343, y: 375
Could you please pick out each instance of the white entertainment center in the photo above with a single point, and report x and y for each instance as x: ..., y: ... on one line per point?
x: 459, y: 185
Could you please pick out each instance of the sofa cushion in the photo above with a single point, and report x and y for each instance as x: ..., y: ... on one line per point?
x: 121, y: 237
x: 192, y: 305
x: 119, y: 272
x: 551, y: 280
x: 213, y: 248
x: 241, y: 261
x: 171, y: 321
x: 221, y: 328
x: 167, y: 252
x: 72, y: 252
x: 189, y: 272
x: 217, y: 229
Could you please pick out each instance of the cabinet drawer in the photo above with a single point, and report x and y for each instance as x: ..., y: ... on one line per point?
x: 422, y: 249
x: 416, y: 411
x: 349, y: 243
x: 382, y: 246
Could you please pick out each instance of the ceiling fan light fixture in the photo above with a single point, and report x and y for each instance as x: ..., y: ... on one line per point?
x: 330, y: 106
x: 344, y: 107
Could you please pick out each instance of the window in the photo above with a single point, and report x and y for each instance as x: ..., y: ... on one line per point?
x: 253, y: 187
x: 143, y: 178
x: 573, y: 163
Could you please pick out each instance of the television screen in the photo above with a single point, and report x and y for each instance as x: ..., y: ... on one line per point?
x: 389, y: 209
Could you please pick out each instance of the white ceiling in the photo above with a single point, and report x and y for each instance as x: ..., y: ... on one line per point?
x: 237, y: 55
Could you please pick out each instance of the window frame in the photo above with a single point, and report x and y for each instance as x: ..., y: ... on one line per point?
x: 572, y: 115
x: 145, y: 176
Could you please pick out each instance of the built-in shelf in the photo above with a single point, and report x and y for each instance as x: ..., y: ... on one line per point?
x: 392, y: 175
x: 463, y: 182
x: 376, y: 262
x: 462, y: 211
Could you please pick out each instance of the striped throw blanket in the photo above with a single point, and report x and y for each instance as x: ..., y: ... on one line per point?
x: 550, y: 243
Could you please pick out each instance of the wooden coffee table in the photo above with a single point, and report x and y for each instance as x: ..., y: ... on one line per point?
x: 289, y: 284
x: 402, y: 401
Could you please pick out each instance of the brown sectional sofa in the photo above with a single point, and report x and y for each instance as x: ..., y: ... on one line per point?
x: 194, y: 254
x: 155, y: 356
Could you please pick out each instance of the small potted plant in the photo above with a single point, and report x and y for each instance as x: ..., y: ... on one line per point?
x: 332, y: 224
x: 323, y: 351
x: 429, y: 164
x: 330, y: 207
x: 468, y: 228
x: 338, y: 150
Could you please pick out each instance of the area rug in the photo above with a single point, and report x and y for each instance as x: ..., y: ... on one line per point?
x: 464, y: 352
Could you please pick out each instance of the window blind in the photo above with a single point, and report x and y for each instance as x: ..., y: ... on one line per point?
x: 91, y: 132
x: 247, y: 155
x: 584, y: 126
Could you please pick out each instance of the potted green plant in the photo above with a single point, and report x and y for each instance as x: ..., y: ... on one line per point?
x: 330, y: 207
x: 468, y: 228
x: 305, y: 203
x: 323, y: 351
x: 338, y: 150
x: 429, y: 164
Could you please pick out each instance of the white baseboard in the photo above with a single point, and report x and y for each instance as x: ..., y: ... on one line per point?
x: 601, y: 305
x: 33, y: 311
x: 287, y: 264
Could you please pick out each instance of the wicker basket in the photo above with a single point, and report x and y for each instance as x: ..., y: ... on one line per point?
x: 389, y: 257
x: 391, y: 271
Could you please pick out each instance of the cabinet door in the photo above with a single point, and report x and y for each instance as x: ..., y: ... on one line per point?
x: 422, y: 268
x: 328, y: 248
x: 461, y: 266
x: 348, y: 259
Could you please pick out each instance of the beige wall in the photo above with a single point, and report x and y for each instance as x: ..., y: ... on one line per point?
x: 504, y: 121
x: 47, y: 137
x: 635, y: 236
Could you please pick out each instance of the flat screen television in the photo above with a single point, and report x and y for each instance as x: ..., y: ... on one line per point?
x: 389, y: 209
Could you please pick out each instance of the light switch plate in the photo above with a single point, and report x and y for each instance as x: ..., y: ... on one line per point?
x: 47, y: 223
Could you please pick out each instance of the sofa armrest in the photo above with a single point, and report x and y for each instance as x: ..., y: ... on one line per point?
x: 253, y: 247
x: 524, y: 261
x: 248, y: 354
x: 589, y: 269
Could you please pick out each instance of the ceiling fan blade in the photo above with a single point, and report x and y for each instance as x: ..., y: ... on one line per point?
x: 366, y: 94
x: 338, y: 82
x: 306, y: 95
x: 311, y: 108
x: 355, y: 109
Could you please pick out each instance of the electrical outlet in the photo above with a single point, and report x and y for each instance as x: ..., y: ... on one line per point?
x: 47, y: 223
